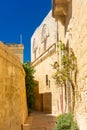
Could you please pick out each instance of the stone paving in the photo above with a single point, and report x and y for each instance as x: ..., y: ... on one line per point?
x: 40, y: 121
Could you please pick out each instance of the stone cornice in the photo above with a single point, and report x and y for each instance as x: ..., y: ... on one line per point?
x: 51, y: 49
x: 60, y: 8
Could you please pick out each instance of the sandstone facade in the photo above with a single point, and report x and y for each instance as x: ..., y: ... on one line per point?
x: 43, y: 37
x: 13, y: 106
x: 18, y: 50
x: 74, y: 31
x: 70, y: 27
x: 43, y: 55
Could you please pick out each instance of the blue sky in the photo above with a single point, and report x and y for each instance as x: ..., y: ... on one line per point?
x: 21, y: 17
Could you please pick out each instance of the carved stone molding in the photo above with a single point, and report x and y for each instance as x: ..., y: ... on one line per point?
x: 45, y: 35
x: 60, y: 8
x: 35, y: 46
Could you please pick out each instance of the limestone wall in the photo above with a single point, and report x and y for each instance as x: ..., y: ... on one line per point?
x: 44, y: 69
x: 77, y: 35
x: 43, y: 64
x: 74, y: 32
x: 44, y: 33
x: 13, y: 108
x: 18, y: 50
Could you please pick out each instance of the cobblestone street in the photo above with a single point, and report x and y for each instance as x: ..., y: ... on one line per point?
x: 39, y: 121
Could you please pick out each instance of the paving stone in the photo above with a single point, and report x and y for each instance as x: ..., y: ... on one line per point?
x: 40, y: 121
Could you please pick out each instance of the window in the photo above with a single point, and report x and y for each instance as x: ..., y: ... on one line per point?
x: 45, y: 35
x: 35, y: 46
x: 47, y: 80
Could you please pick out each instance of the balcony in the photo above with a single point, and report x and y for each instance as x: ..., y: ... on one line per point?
x: 60, y: 8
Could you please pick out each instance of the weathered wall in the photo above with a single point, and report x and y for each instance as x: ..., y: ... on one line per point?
x: 44, y: 68
x: 43, y: 101
x: 43, y: 64
x: 37, y: 103
x: 74, y: 32
x: 44, y: 34
x: 78, y: 41
x: 13, y: 108
x: 18, y: 50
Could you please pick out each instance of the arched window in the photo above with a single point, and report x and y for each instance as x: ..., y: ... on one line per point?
x: 45, y: 35
x: 35, y: 46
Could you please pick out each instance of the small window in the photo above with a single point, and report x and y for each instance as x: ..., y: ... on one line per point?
x: 49, y: 83
x: 45, y: 35
x: 35, y: 46
x: 47, y: 80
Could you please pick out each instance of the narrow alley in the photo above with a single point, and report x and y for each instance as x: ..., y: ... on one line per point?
x: 39, y: 121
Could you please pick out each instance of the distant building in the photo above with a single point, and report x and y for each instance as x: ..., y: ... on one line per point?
x: 43, y: 55
x: 17, y: 49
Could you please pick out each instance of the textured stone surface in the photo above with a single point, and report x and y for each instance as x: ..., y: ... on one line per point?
x: 40, y: 121
x: 18, y: 50
x: 43, y: 63
x: 74, y: 33
x: 13, y: 108
x: 44, y: 33
x: 78, y: 40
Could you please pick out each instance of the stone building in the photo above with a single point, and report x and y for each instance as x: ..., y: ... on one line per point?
x: 43, y: 55
x: 72, y: 29
x: 13, y: 104
x: 18, y: 50
x: 70, y: 26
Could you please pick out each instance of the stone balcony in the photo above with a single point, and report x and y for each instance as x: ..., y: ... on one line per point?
x: 60, y: 8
